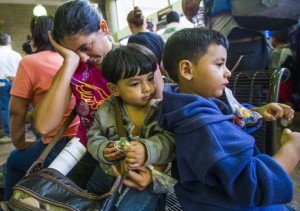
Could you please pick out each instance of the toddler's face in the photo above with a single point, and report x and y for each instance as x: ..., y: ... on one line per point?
x: 210, y: 74
x: 138, y: 90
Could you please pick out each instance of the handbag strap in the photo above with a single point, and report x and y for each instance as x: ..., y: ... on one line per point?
x: 119, y: 122
x: 54, y: 140
x: 121, y: 132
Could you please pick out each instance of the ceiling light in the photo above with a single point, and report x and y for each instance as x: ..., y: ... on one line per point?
x: 39, y: 10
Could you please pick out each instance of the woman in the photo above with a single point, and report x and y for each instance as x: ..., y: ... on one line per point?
x: 151, y: 40
x: 33, y: 79
x: 80, y: 35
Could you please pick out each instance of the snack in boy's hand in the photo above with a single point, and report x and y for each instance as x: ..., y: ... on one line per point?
x: 121, y: 143
x: 243, y: 116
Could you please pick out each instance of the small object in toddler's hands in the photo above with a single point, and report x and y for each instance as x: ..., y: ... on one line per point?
x: 121, y: 143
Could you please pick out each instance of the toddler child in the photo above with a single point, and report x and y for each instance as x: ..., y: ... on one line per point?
x: 129, y: 71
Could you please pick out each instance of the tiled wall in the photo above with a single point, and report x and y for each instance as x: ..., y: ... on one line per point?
x: 16, y: 22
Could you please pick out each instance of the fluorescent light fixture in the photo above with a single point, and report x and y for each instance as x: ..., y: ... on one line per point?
x: 39, y: 10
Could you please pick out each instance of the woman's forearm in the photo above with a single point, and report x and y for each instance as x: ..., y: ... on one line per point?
x: 51, y: 108
x: 18, y: 110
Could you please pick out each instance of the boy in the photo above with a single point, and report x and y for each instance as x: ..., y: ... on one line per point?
x: 129, y: 71
x: 219, y: 167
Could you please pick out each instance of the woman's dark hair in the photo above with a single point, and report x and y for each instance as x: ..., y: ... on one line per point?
x: 150, y: 25
x: 39, y: 27
x: 136, y: 17
x: 27, y: 48
x: 189, y: 44
x: 128, y: 61
x: 76, y: 17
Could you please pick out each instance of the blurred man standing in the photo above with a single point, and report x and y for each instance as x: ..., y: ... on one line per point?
x: 173, y: 21
x: 9, y: 62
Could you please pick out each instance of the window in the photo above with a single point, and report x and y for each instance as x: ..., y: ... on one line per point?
x: 147, y: 7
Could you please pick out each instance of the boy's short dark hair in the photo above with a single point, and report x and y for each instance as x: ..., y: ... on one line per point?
x: 128, y: 61
x: 189, y: 44
x: 173, y: 16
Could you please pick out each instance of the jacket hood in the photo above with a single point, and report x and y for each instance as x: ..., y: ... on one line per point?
x: 183, y: 113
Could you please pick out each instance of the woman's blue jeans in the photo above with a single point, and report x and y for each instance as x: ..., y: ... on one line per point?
x: 19, y: 161
x: 5, y: 87
x: 130, y: 199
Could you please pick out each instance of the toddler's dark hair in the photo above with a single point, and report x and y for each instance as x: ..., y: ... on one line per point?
x: 128, y: 61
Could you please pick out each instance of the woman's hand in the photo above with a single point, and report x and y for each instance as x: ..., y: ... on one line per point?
x: 138, y: 179
x: 67, y: 54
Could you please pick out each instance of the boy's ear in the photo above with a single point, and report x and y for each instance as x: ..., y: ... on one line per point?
x: 113, y: 88
x: 185, y: 69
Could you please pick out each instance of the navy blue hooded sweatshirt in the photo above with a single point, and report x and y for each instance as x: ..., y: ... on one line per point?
x: 219, y: 167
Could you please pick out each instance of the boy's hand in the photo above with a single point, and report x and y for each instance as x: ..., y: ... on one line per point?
x: 110, y: 153
x: 135, y: 154
x: 274, y: 111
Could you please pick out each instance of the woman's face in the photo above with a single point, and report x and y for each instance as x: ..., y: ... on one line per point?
x: 91, y: 48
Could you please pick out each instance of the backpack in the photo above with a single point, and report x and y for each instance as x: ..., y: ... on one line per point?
x: 257, y: 14
x: 266, y: 14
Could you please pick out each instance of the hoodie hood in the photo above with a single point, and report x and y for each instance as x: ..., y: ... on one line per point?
x: 184, y: 113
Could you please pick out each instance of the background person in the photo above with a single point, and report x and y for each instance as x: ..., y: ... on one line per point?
x: 131, y: 82
x: 173, y: 24
x: 251, y: 44
x: 141, y: 35
x: 282, y: 56
x: 82, y: 41
x: 9, y: 61
x: 33, y: 79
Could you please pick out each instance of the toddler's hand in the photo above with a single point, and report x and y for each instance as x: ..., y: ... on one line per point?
x: 135, y: 154
x: 110, y: 153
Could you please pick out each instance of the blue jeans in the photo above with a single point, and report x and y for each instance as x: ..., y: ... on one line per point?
x: 130, y: 199
x: 5, y: 87
x: 256, y: 52
x: 19, y: 161
x: 83, y: 170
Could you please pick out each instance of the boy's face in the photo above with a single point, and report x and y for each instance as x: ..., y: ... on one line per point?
x: 136, y: 91
x: 209, y: 76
